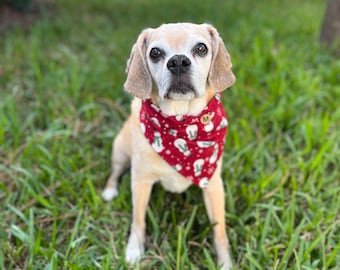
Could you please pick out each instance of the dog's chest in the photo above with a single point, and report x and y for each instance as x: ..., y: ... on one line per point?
x: 173, y: 182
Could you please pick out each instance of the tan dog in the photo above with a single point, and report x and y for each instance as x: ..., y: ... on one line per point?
x: 179, y: 68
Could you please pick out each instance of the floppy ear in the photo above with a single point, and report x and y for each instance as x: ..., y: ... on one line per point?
x: 220, y: 76
x: 139, y: 82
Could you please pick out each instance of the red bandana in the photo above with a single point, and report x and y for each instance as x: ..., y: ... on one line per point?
x: 192, y: 145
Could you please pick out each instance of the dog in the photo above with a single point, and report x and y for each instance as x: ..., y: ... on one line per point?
x: 176, y: 130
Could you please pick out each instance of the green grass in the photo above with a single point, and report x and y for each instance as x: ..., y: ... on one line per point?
x: 62, y: 102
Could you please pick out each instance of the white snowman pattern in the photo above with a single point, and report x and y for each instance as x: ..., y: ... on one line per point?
x: 198, y: 166
x: 156, y: 122
x: 210, y: 126
x: 214, y: 155
x: 182, y: 146
x: 203, y: 182
x: 178, y: 167
x: 191, y: 131
x: 223, y: 123
x: 157, y: 144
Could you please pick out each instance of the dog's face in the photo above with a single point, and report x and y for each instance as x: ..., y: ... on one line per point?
x: 178, y: 62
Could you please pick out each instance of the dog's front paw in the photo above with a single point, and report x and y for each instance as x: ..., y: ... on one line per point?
x: 226, y: 267
x: 133, y: 255
x: 134, y: 249
x: 225, y: 262
x: 109, y: 194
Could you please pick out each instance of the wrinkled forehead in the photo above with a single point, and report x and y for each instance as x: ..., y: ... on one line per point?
x: 180, y: 35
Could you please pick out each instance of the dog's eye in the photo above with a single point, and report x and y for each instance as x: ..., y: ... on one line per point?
x: 200, y: 49
x: 155, y: 54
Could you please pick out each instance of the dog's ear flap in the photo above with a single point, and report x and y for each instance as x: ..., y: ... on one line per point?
x: 139, y: 81
x: 220, y: 75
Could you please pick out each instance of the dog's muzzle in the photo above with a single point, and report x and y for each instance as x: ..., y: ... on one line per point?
x: 181, y: 86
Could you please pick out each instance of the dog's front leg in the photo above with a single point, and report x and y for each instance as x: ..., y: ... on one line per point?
x: 214, y: 203
x: 141, y: 191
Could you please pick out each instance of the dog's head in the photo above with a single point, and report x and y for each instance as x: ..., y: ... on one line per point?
x: 179, y: 62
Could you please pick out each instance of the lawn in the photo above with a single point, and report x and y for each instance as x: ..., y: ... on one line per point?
x: 62, y: 103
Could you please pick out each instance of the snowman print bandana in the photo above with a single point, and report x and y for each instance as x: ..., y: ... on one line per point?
x: 192, y: 145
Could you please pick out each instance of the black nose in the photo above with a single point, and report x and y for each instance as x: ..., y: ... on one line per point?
x: 178, y: 64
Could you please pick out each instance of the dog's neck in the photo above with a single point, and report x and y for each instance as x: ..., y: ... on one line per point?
x: 183, y: 107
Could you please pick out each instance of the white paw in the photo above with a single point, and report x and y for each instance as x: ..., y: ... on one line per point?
x: 225, y: 262
x: 226, y: 267
x: 133, y: 253
x: 109, y: 193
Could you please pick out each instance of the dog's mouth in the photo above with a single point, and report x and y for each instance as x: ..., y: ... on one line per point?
x: 180, y: 90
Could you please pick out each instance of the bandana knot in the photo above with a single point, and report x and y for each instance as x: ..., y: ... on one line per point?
x: 192, y: 145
